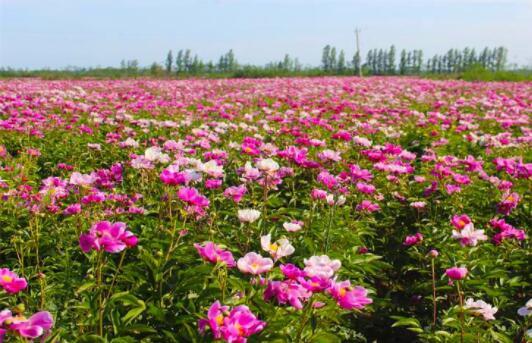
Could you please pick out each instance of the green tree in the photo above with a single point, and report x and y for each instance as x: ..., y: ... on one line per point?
x: 356, y: 63
x: 179, y: 62
x: 390, y: 68
x: 169, y: 62
x: 403, y: 62
x: 341, y: 62
x: 325, y: 58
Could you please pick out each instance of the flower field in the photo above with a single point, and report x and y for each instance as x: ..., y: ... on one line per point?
x: 273, y: 210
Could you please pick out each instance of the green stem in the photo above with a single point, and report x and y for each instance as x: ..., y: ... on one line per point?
x: 460, y: 299
x: 327, y: 233
x: 304, y: 320
x: 434, y: 308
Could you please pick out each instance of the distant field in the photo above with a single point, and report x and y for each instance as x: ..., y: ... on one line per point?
x: 318, y: 209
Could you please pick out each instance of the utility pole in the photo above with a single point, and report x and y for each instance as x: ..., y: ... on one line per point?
x: 358, y: 52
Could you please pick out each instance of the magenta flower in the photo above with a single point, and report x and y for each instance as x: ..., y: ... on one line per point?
x: 215, y: 319
x: 35, y: 326
x: 213, y: 253
x: 506, y: 231
x: 196, y: 203
x: 287, y: 292
x: 367, y: 206
x: 172, y: 176
x: 234, y: 326
x: 508, y: 203
x: 291, y: 271
x: 315, y: 284
x: 10, y: 281
x: 460, y: 221
x: 253, y: 263
x: 236, y: 193
x: 112, y: 237
x: 456, y: 273
x: 413, y: 240
x: 240, y: 324
x: 348, y: 297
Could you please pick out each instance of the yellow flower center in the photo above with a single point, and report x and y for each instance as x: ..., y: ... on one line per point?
x: 239, y: 328
x: 7, y: 278
x: 219, y: 319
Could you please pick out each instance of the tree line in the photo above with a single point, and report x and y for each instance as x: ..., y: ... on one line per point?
x: 377, y: 62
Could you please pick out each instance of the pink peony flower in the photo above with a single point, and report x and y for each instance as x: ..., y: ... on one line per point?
x: 367, y: 206
x: 253, y: 263
x: 456, y: 273
x: 321, y: 266
x: 214, y: 254
x: 236, y: 193
x: 481, y: 308
x: 460, y: 221
x: 348, y: 297
x: 234, y: 326
x: 468, y: 236
x: 413, y: 240
x: 10, y: 281
x: 36, y: 326
x: 112, y: 237
x: 287, y: 292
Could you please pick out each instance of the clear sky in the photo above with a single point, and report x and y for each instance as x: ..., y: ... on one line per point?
x: 60, y: 33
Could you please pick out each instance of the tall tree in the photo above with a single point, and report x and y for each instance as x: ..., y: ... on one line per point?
x: 187, y: 61
x: 332, y: 59
x: 403, y: 62
x: 341, y: 61
x: 500, y: 61
x: 179, y: 61
x: 169, y: 62
x: 356, y: 63
x: 325, y: 58
x: 391, y: 61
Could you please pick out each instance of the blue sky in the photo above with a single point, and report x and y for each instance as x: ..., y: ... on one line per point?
x: 60, y: 33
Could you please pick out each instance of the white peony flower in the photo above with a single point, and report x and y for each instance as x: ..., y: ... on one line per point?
x: 277, y: 250
x: 248, y: 215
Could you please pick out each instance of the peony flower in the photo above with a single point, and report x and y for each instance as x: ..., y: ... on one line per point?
x: 293, y: 226
x: 481, y: 308
x: 214, y: 254
x: 460, y: 221
x: 367, y: 206
x: 468, y: 236
x: 267, y: 166
x: 291, y: 271
x: 240, y: 324
x: 248, y: 215
x: 456, y: 273
x: 277, y: 250
x: 413, y: 240
x: 215, y: 319
x: 508, y: 203
x: 154, y: 154
x: 236, y: 193
x: 525, y: 310
x: 321, y: 266
x: 10, y: 281
x: 35, y: 326
x: 112, y: 237
x: 287, y: 292
x: 348, y: 297
x: 253, y: 263
x: 83, y: 180
x: 212, y: 169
